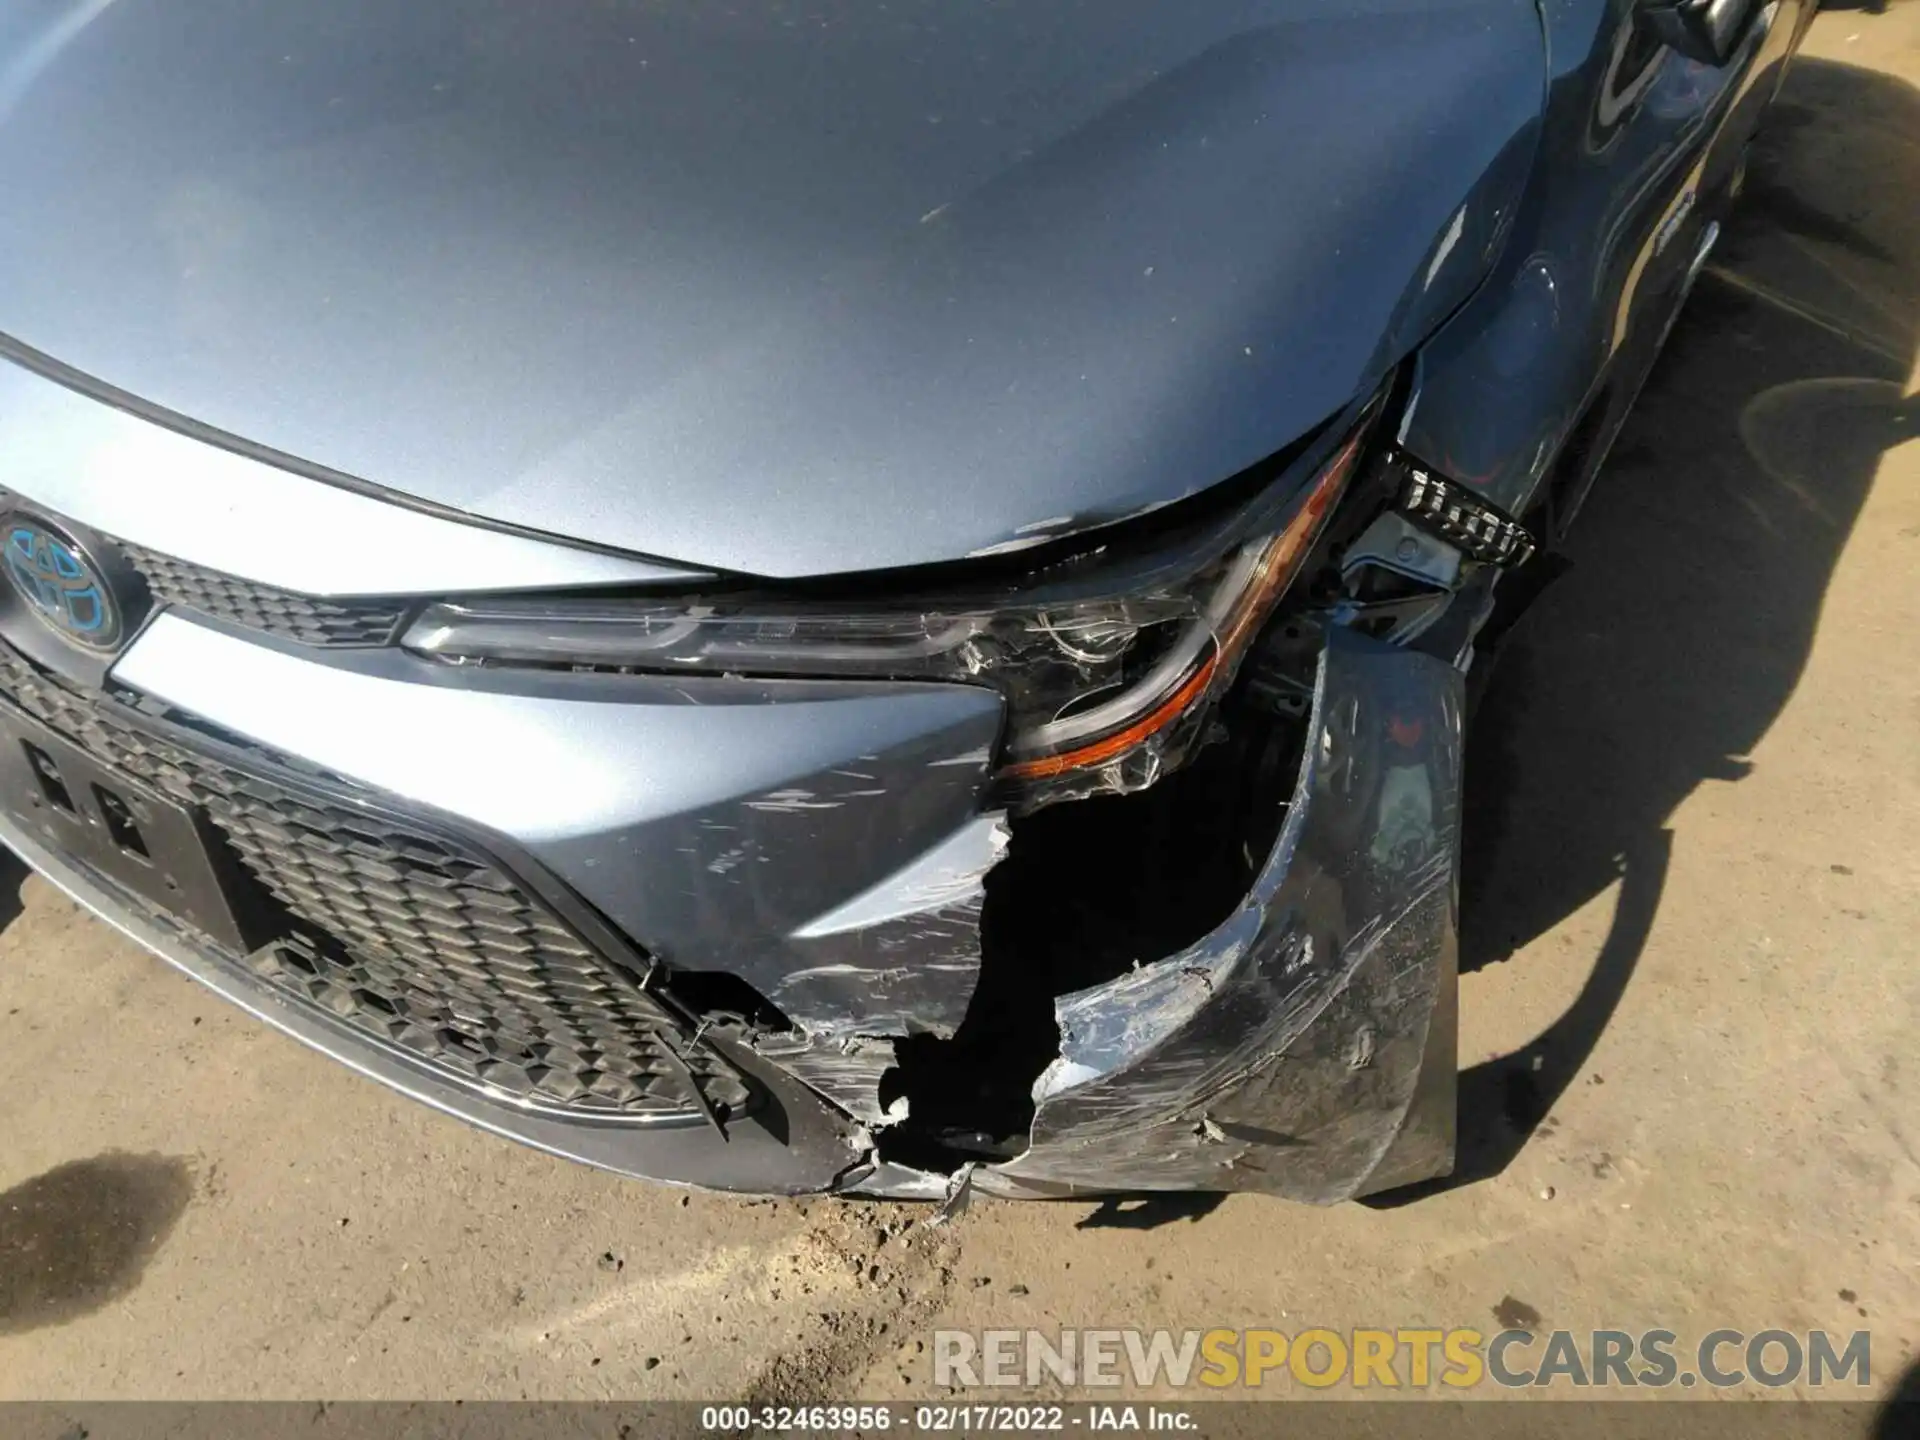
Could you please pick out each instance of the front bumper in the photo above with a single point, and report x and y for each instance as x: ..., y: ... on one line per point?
x: 1304, y: 1047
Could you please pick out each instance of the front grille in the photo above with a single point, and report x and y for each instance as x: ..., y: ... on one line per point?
x: 417, y: 940
x: 306, y: 618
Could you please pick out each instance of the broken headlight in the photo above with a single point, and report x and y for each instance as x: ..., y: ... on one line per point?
x: 1103, y: 692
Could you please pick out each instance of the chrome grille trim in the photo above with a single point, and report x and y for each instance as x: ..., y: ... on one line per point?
x: 309, y: 619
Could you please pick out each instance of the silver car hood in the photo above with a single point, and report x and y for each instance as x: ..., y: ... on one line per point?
x: 783, y: 287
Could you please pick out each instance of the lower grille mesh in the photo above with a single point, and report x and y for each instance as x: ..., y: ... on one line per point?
x: 416, y: 940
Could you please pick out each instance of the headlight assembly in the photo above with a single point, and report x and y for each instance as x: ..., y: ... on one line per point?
x: 1103, y: 692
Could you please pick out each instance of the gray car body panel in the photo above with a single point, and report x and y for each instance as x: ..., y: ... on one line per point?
x: 730, y: 822
x: 777, y: 291
x: 148, y: 483
x: 1646, y: 147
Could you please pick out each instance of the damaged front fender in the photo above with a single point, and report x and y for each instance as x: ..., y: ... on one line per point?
x: 1306, y: 1046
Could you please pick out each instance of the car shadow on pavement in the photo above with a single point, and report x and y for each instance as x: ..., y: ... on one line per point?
x: 1150, y: 1211
x: 1899, y: 1417
x: 13, y: 873
x: 1699, y: 569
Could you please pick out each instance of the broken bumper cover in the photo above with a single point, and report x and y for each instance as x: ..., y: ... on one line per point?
x: 1306, y: 1047
x: 1303, y: 1048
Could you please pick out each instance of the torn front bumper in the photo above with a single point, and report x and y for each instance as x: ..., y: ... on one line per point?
x: 1305, y: 1047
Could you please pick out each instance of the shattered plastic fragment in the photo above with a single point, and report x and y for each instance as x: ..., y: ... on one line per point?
x: 959, y: 1196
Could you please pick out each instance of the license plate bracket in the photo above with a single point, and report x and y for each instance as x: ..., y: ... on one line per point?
x: 126, y: 831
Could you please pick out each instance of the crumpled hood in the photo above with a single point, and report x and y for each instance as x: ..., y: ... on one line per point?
x: 785, y: 287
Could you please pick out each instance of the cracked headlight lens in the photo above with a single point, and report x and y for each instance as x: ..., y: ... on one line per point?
x: 1102, y: 693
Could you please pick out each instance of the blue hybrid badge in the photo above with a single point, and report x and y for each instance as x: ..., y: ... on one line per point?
x: 61, y: 585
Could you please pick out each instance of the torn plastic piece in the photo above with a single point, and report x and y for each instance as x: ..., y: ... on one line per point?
x: 902, y: 958
x: 846, y: 1069
x: 1103, y: 1026
x: 959, y: 1196
x: 914, y: 975
x: 895, y: 1181
x: 1343, y: 950
x: 953, y: 873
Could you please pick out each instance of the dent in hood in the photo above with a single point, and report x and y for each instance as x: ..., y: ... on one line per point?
x: 786, y: 289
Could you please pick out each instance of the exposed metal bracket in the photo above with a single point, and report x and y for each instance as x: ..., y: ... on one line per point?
x: 1395, y: 543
